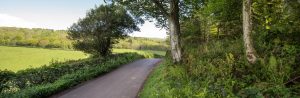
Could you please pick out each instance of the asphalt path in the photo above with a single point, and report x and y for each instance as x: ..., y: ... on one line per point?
x: 124, y: 82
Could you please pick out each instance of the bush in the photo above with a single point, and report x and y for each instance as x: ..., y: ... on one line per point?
x: 5, y: 77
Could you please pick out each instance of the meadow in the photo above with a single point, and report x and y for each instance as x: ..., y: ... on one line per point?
x: 161, y: 53
x: 19, y: 58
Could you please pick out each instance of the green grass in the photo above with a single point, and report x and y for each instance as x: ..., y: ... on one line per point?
x: 154, y: 81
x: 18, y: 58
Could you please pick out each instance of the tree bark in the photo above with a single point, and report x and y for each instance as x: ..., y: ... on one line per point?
x: 247, y: 29
x: 174, y: 27
x: 208, y: 30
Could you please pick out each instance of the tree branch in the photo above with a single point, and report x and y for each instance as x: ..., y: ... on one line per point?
x: 292, y: 80
x: 161, y: 7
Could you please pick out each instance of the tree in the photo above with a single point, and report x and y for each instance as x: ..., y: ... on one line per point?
x: 101, y: 28
x: 174, y: 27
x: 247, y: 29
x: 166, y: 13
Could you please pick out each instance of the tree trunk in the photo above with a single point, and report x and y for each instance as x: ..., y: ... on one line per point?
x: 208, y: 30
x: 174, y: 28
x: 247, y: 29
x: 218, y: 31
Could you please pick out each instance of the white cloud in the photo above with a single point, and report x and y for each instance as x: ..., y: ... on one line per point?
x: 149, y: 30
x: 13, y: 21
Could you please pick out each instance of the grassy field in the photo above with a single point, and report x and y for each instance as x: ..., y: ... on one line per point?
x: 18, y: 58
x: 162, y: 53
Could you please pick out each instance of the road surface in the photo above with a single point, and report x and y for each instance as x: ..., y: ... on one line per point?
x: 124, y: 82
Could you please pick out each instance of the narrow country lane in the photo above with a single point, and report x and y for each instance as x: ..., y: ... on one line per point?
x: 124, y: 82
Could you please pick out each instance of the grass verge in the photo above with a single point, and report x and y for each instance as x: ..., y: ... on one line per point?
x: 155, y: 83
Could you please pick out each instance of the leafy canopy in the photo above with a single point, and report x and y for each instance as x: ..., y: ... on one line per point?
x: 101, y: 28
x: 158, y: 10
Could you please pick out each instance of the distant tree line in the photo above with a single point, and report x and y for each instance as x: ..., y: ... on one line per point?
x: 140, y: 43
x: 47, y: 38
x: 36, y: 37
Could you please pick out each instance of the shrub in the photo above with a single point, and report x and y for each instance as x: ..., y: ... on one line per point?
x: 5, y: 77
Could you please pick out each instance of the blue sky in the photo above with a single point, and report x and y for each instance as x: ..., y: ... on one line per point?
x: 56, y: 14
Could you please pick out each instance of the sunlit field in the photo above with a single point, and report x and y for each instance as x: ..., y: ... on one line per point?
x: 18, y: 58
x: 161, y: 53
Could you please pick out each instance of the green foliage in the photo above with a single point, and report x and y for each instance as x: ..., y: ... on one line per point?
x: 45, y: 38
x: 215, y: 19
x: 250, y: 93
x: 48, y: 80
x: 225, y: 16
x: 214, y: 62
x: 5, y: 76
x: 101, y: 28
x: 159, y: 10
x: 219, y: 69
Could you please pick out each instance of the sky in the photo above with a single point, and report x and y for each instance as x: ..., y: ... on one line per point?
x: 57, y: 14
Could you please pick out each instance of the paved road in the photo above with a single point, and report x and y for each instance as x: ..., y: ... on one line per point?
x: 124, y: 82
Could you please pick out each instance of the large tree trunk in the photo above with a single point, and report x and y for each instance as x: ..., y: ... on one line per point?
x: 174, y: 28
x: 247, y: 29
